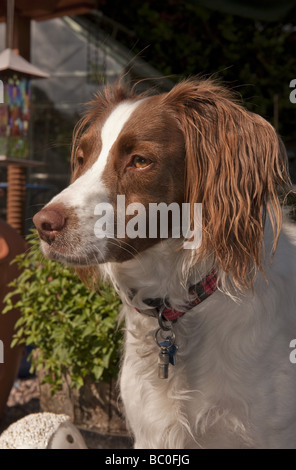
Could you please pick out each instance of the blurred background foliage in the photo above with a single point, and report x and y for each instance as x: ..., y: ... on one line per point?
x: 252, y: 49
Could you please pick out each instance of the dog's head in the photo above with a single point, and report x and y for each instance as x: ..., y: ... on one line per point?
x: 194, y: 144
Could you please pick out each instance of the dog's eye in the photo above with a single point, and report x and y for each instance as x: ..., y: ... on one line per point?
x: 80, y: 161
x: 140, y: 162
x: 79, y: 157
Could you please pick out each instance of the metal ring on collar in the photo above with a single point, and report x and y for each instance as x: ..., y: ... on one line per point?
x: 161, y: 320
x: 170, y: 338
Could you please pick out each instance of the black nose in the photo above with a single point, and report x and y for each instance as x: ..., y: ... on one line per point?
x: 50, y: 222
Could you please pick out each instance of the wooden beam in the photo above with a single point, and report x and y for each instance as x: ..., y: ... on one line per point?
x: 48, y: 9
x: 71, y: 11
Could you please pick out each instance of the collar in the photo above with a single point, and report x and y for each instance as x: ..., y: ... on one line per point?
x: 200, y: 292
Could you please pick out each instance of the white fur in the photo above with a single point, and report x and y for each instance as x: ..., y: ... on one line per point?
x: 233, y: 385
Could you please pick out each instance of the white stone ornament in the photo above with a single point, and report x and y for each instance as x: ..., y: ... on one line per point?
x: 42, y: 431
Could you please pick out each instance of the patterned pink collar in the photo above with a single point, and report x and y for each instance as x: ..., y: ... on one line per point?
x: 201, y: 291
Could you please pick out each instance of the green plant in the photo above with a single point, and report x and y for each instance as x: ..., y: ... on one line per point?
x: 74, y: 329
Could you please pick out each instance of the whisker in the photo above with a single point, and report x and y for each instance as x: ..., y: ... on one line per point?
x: 133, y: 253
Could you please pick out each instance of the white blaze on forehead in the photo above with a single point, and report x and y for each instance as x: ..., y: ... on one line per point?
x: 89, y: 186
x: 113, y: 127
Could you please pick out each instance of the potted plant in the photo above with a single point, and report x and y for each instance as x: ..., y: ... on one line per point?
x: 76, y: 338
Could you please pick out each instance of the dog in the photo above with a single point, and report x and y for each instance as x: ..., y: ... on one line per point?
x: 206, y: 360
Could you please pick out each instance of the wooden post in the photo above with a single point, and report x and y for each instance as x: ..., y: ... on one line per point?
x: 16, y: 197
x: 21, y: 36
x: 18, y: 31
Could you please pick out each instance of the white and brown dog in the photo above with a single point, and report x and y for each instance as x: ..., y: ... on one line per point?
x: 224, y: 313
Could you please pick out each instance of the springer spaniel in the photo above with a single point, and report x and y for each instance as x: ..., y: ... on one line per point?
x: 208, y: 329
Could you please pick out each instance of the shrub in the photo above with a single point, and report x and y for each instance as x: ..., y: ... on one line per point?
x: 74, y: 329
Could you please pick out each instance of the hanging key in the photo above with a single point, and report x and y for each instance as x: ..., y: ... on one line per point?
x: 163, y: 363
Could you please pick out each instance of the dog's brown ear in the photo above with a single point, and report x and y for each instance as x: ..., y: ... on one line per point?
x: 235, y: 166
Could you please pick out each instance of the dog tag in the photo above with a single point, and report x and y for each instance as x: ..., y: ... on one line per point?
x: 163, y: 363
x: 171, y: 348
